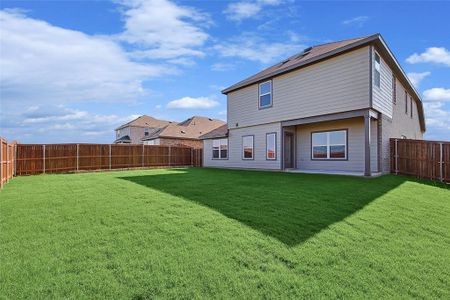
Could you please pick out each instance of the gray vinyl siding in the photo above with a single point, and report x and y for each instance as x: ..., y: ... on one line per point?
x: 235, y: 149
x: 382, y: 96
x: 400, y: 124
x: 355, y: 146
x: 336, y: 85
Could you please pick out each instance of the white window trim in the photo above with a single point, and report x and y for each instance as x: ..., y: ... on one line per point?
x: 328, y: 145
x: 253, y: 147
x: 275, y: 146
x: 269, y: 93
x: 220, y: 152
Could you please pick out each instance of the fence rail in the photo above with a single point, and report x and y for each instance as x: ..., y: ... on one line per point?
x: 62, y: 158
x: 7, y: 161
x: 423, y: 159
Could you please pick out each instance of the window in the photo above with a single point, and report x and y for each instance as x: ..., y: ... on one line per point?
x: 411, y: 106
x: 265, y: 94
x: 377, y: 67
x: 146, y: 130
x: 329, y: 145
x: 406, y: 102
x: 220, y: 149
x: 247, y: 147
x: 394, y: 90
x: 271, y: 146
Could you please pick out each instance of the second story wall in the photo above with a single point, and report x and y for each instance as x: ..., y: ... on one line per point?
x: 382, y: 95
x: 335, y: 85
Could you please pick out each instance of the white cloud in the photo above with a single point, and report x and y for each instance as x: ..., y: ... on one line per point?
x: 438, y: 55
x: 43, y: 124
x: 416, y: 78
x: 356, y: 21
x: 42, y: 63
x: 239, y: 11
x: 437, y: 94
x: 182, y: 61
x: 222, y: 113
x: 254, y: 48
x: 437, y: 119
x: 193, y: 103
x: 221, y: 67
x: 163, y: 29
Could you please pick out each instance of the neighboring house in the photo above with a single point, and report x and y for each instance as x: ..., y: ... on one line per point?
x: 331, y: 108
x: 133, y: 131
x: 186, y: 133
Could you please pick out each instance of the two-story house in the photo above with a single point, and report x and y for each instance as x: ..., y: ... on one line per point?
x: 134, y: 131
x: 150, y: 131
x: 186, y: 133
x: 331, y: 108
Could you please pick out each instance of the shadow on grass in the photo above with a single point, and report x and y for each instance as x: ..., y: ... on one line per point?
x: 289, y: 207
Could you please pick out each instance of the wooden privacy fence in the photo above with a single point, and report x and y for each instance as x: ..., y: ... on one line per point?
x: 7, y: 161
x: 61, y: 158
x: 423, y: 159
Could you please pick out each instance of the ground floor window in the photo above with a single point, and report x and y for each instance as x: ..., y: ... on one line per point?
x: 329, y: 145
x: 247, y: 147
x: 271, y: 146
x: 220, y: 149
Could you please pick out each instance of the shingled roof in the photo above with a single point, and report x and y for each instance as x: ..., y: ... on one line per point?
x: 219, y: 132
x: 322, y: 52
x: 146, y: 121
x: 191, y: 128
x: 294, y: 61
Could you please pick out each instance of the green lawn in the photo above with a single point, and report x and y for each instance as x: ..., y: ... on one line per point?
x: 206, y: 233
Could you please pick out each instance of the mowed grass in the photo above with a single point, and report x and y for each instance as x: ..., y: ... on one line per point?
x: 209, y: 233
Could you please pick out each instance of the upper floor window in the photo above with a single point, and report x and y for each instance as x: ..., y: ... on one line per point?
x: 377, y: 70
x: 411, y: 106
x: 406, y: 102
x: 146, y: 130
x: 394, y: 90
x: 265, y: 94
x: 220, y: 149
x: 271, y: 146
x: 247, y: 147
x: 329, y: 145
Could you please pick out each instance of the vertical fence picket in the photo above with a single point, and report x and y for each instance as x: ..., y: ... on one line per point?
x: 143, y: 150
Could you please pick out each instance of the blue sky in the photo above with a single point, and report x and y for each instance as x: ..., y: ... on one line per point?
x: 71, y: 71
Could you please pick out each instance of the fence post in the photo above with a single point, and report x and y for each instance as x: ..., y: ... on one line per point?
x: 7, y: 163
x: 110, y: 156
x: 192, y: 157
x: 43, y: 159
x: 396, y: 157
x: 441, y: 167
x: 143, y: 150
x: 78, y: 157
x: 15, y: 159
